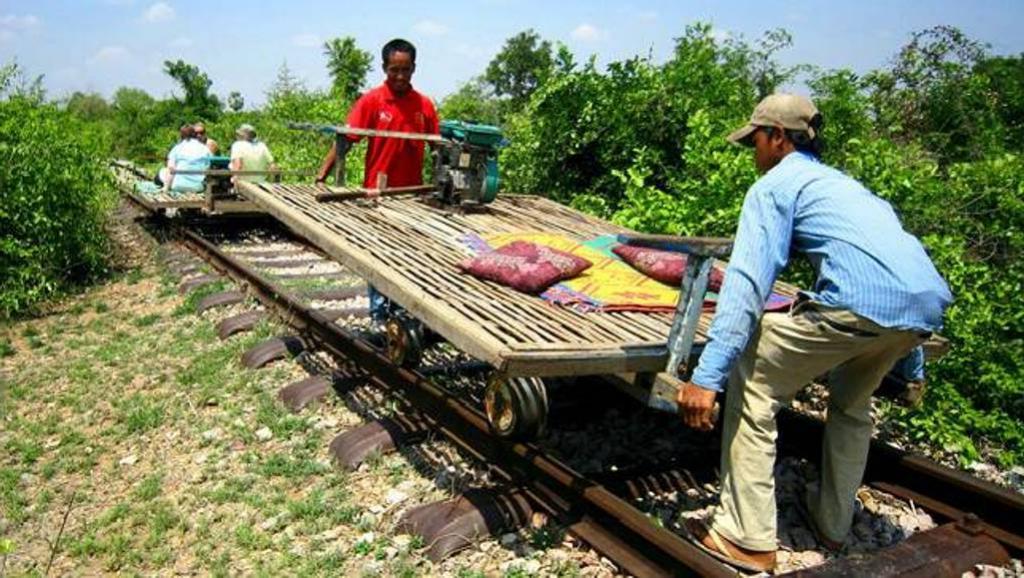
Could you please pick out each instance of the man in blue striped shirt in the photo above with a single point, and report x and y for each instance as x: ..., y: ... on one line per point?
x: 876, y: 299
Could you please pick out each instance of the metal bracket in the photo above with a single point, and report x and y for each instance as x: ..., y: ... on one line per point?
x: 701, y: 253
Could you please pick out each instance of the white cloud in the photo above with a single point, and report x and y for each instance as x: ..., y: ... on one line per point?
x: 307, y: 40
x: 586, y: 33
x: 12, y: 24
x: 159, y: 12
x: 110, y: 54
x: 181, y: 42
x: 430, y: 28
x: 15, y: 22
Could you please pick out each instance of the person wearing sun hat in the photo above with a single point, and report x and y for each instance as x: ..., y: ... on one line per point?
x: 877, y: 297
x: 250, y: 154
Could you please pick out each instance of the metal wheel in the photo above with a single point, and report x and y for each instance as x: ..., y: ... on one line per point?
x: 404, y: 341
x: 517, y: 408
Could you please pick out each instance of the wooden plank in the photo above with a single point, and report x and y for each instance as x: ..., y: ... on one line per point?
x: 439, y: 316
x: 410, y: 250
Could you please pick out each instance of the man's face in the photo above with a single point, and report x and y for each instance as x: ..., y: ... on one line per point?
x: 766, y: 154
x: 399, y: 69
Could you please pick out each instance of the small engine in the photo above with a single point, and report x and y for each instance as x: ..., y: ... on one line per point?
x: 466, y: 163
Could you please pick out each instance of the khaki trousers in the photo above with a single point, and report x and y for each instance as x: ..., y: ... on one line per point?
x: 787, y: 351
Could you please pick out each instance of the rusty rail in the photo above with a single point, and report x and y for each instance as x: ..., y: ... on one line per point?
x: 592, y: 511
x: 586, y: 508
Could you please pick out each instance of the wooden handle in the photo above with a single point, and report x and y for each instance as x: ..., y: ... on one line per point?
x: 350, y: 194
x: 704, y: 246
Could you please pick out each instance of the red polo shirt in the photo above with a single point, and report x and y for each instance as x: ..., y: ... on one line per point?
x: 401, y: 160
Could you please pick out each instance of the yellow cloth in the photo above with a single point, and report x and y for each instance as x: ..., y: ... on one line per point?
x: 610, y: 283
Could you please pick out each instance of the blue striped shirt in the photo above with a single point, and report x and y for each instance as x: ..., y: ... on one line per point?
x: 864, y: 260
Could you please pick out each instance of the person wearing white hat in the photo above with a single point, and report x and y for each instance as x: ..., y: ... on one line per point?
x: 877, y: 297
x: 250, y: 154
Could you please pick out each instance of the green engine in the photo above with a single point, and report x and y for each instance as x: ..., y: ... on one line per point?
x: 466, y: 163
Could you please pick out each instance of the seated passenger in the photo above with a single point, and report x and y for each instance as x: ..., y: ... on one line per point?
x: 200, y: 130
x: 188, y: 155
x: 250, y: 154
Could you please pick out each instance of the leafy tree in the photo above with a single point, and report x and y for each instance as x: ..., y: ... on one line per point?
x: 932, y: 95
x: 235, y: 101
x: 88, y: 106
x: 520, y: 67
x: 135, y: 119
x: 198, y: 102
x: 13, y: 82
x: 843, y: 101
x: 348, y: 66
x: 1005, y: 76
x: 565, y: 61
x: 471, y: 102
x: 285, y: 84
x: 51, y: 211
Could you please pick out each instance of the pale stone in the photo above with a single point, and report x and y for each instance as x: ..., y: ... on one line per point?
x: 264, y: 434
x: 402, y: 542
x: 508, y: 540
x: 212, y: 434
x: 129, y: 460
x: 366, y: 538
x: 395, y: 497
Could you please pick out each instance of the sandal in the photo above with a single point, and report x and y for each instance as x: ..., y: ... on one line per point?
x: 699, y: 532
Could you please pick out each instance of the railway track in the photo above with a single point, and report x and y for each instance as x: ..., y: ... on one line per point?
x: 980, y: 522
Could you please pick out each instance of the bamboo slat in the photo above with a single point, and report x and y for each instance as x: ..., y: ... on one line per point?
x: 409, y: 249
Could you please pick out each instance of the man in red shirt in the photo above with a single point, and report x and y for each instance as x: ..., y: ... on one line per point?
x: 393, y: 106
x: 396, y: 106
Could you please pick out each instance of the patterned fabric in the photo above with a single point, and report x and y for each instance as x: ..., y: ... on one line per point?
x: 609, y: 284
x: 665, y: 266
x: 524, y: 266
x: 865, y: 262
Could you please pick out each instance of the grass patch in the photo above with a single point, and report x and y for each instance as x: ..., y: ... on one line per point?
x: 11, y: 498
x: 139, y: 413
x: 28, y: 450
x: 249, y: 538
x: 287, y: 466
x: 150, y: 487
x: 135, y: 275
x: 7, y: 348
x: 188, y: 306
x: 146, y: 320
x: 160, y: 519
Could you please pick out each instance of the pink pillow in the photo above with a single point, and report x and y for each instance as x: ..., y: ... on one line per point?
x: 524, y: 266
x: 664, y: 266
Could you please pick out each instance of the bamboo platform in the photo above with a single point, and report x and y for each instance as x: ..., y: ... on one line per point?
x: 409, y: 251
x: 126, y: 176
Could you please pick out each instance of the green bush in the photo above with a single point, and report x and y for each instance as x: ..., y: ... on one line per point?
x: 644, y: 145
x: 55, y: 191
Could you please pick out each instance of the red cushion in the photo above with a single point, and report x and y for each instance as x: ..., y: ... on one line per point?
x: 664, y: 266
x: 524, y: 266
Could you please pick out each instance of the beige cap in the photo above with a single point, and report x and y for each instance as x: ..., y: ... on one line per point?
x: 245, y: 130
x: 790, y: 111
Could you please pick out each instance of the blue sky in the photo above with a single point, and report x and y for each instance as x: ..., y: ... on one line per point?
x: 99, y: 45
